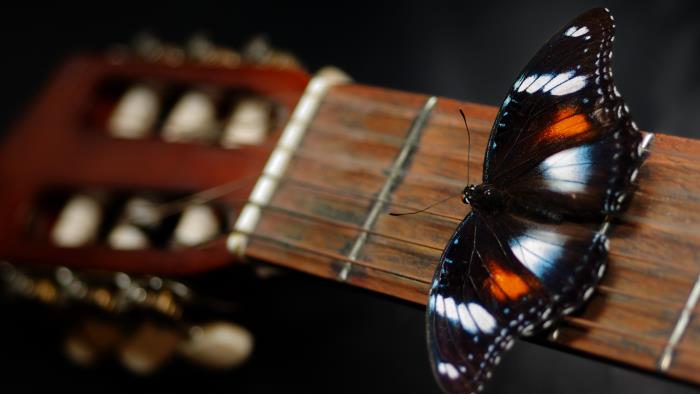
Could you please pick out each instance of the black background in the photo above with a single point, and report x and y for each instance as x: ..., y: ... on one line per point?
x: 314, y: 335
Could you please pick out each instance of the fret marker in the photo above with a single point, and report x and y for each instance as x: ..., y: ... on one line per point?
x: 397, y: 168
x: 280, y: 158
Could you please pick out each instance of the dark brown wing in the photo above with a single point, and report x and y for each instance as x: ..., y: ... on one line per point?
x: 565, y: 98
x: 501, y: 276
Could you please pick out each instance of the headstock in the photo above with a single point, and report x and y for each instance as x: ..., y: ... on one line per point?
x: 128, y: 171
x: 105, y: 169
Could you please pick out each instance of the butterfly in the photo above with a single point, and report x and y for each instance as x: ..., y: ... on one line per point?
x: 562, y: 159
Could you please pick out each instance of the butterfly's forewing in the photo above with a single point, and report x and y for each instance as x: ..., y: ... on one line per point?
x: 500, y: 276
x: 584, y: 181
x: 565, y: 98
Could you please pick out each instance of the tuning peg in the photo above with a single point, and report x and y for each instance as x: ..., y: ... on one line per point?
x: 197, y: 224
x: 148, y: 348
x: 78, y: 222
x: 192, y: 119
x: 201, y: 49
x: 147, y: 45
x: 127, y: 237
x: 152, y: 49
x: 143, y: 212
x: 218, y: 345
x: 258, y: 50
x: 249, y: 123
x: 90, y: 341
x: 136, y: 112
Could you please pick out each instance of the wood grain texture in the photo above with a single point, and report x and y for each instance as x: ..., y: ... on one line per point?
x: 333, y: 182
x: 315, y: 217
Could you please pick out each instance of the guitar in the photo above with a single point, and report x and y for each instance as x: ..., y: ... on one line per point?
x: 236, y: 165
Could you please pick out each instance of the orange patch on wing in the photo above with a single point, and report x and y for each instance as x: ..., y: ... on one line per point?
x: 504, y: 283
x: 496, y: 291
x: 566, y: 123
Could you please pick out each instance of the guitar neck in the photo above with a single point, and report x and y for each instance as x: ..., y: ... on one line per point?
x: 347, y: 156
x: 368, y: 151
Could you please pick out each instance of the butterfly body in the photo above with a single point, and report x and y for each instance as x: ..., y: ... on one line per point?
x: 484, y: 197
x: 562, y: 159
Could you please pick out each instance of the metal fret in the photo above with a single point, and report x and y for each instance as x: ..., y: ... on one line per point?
x: 397, y: 168
x: 680, y: 327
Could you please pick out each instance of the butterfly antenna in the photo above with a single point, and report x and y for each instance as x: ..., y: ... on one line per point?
x: 424, y: 209
x: 469, y: 141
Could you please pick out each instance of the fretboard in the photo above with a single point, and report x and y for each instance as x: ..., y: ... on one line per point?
x: 368, y: 152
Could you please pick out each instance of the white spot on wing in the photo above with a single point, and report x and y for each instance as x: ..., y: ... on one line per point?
x: 519, y: 82
x: 440, y: 305
x: 451, y: 309
x: 539, y: 83
x: 483, y: 319
x: 571, y: 86
x: 557, y: 80
x: 466, y: 319
x: 575, y: 31
x: 567, y: 171
x: 526, y: 83
x: 449, y: 370
x: 506, y: 101
x: 535, y: 254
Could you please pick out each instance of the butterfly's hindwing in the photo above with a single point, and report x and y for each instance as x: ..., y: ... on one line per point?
x: 501, y: 276
x: 478, y: 302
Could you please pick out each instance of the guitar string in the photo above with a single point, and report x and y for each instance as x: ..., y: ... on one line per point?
x: 441, y: 181
x: 602, y: 288
x: 226, y: 188
x: 572, y: 320
x: 625, y: 260
x: 310, y: 217
x: 223, y: 189
x: 453, y: 219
